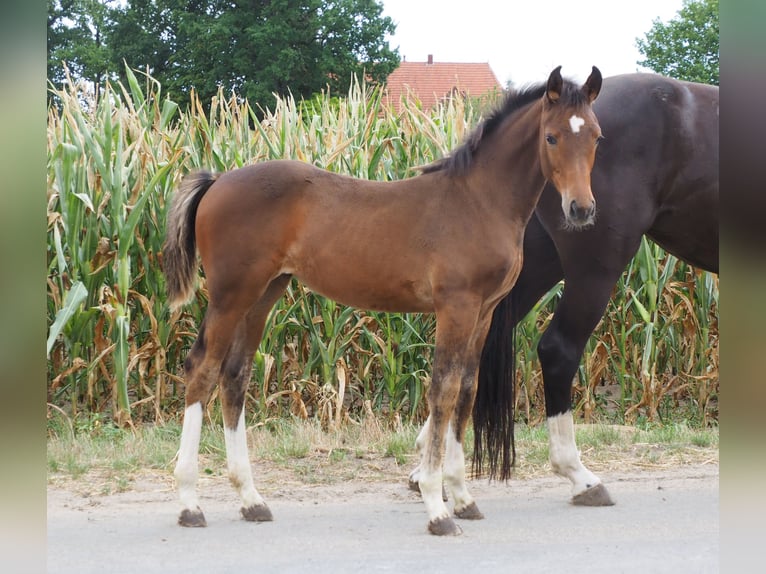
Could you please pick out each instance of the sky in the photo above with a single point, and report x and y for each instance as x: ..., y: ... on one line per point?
x: 524, y: 40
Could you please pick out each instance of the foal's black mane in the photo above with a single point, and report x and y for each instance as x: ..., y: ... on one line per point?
x: 461, y: 158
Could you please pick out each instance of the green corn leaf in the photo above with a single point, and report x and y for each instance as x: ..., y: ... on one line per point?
x: 60, y: 259
x: 126, y: 233
x: 135, y: 87
x: 645, y: 315
x: 169, y: 108
x: 85, y: 198
x: 72, y: 300
x: 273, y: 152
x: 121, y: 357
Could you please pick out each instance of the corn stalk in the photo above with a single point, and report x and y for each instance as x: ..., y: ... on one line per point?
x: 113, y: 346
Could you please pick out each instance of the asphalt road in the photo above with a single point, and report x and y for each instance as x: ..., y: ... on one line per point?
x: 664, y: 521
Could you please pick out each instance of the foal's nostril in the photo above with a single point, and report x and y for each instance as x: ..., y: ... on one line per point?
x: 574, y: 210
x: 581, y: 214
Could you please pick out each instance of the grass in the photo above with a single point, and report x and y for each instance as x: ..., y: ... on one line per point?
x: 104, y: 458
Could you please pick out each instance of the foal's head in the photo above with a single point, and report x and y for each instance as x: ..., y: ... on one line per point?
x: 569, y: 134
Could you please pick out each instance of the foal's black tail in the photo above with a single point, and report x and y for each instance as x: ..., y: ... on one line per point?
x: 493, y: 408
x: 179, y: 253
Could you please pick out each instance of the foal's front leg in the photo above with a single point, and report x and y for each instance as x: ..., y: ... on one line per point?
x: 420, y: 444
x: 414, y: 477
x: 430, y: 470
x: 454, y: 473
x: 454, y: 476
x: 454, y: 462
x: 455, y: 328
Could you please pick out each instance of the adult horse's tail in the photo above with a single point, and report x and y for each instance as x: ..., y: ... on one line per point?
x: 494, y: 405
x: 179, y: 253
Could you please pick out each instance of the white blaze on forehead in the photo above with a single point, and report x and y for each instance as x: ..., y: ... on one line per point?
x: 576, y: 122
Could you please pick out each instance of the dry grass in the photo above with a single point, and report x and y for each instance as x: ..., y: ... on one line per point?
x: 296, y: 453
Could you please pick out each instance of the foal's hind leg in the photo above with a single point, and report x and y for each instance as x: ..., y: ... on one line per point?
x: 234, y: 383
x: 202, y: 369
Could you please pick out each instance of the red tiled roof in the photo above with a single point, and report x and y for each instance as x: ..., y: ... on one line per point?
x: 432, y: 82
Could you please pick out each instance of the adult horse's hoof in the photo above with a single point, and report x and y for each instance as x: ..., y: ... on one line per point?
x: 444, y: 527
x: 415, y: 485
x: 256, y: 513
x: 595, y: 496
x: 470, y: 512
x: 192, y: 518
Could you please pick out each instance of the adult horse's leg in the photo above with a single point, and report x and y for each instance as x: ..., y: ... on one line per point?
x: 592, y: 259
x: 202, y: 369
x: 582, y: 305
x: 456, y: 320
x: 234, y: 382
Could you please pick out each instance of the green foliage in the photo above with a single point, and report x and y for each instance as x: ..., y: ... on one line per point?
x: 253, y: 49
x: 686, y: 47
x: 77, y: 35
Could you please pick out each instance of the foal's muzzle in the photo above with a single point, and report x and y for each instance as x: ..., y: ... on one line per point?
x: 581, y: 216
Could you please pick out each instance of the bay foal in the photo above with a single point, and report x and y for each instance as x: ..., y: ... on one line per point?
x: 448, y: 241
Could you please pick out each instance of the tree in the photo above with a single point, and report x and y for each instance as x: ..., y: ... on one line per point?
x: 253, y: 47
x: 352, y: 38
x: 685, y: 48
x: 143, y: 36
x: 78, y: 32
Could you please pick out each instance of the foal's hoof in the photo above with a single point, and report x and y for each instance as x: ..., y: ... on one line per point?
x: 256, y: 513
x: 192, y: 518
x: 470, y: 512
x: 595, y: 496
x: 415, y: 485
x: 444, y: 527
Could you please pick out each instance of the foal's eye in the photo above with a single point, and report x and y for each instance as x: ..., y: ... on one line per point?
x: 599, y: 139
x: 550, y: 139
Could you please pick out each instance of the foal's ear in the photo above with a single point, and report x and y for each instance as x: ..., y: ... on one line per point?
x: 592, y: 85
x: 555, y: 85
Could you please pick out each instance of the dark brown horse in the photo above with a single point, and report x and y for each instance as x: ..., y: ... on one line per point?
x: 448, y: 241
x: 655, y: 174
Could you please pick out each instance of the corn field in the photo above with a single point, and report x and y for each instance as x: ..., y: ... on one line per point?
x: 114, y: 348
